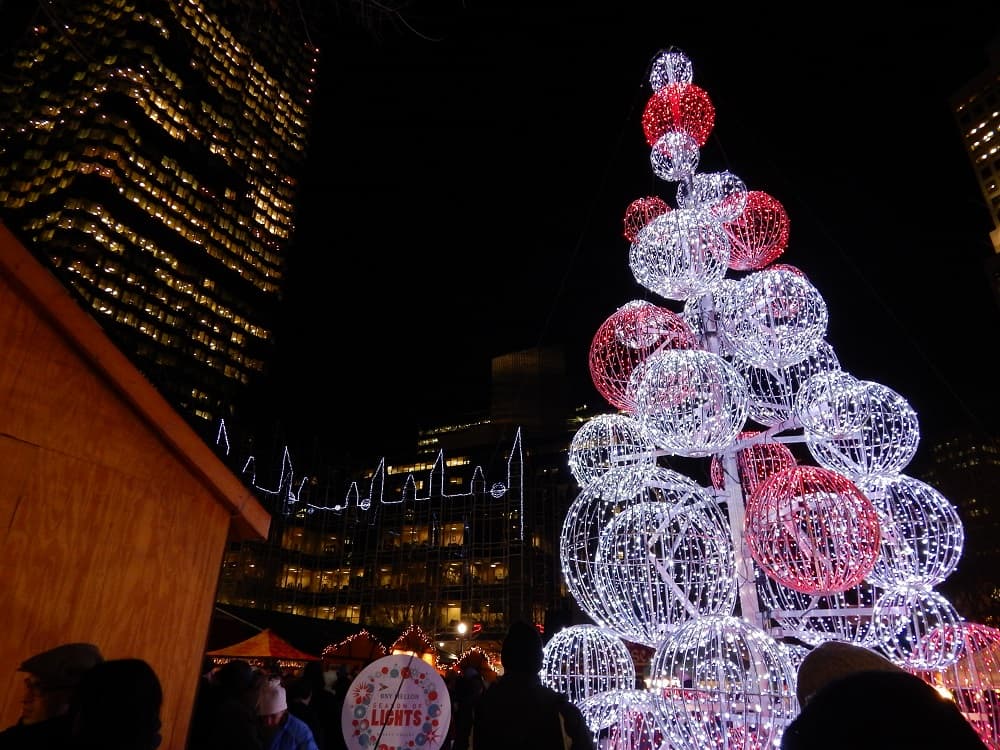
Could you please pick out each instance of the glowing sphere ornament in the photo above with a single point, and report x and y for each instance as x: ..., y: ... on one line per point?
x: 922, y: 535
x: 759, y: 234
x: 674, y: 156
x: 773, y: 390
x: 812, y: 530
x: 679, y: 106
x: 831, y: 404
x: 778, y: 319
x: 925, y: 611
x: 680, y: 254
x: 586, y: 660
x: 973, y: 680
x: 670, y: 66
x: 606, y: 442
x: 625, y: 339
x: 659, y: 564
x: 708, y: 317
x: 690, y: 402
x: 720, y: 682
x: 640, y: 212
x: 754, y: 463
x: 883, y: 445
x: 721, y: 196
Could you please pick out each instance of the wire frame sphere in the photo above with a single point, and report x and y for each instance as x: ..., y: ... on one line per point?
x: 974, y: 679
x: 605, y: 442
x: 662, y: 563
x: 674, y: 156
x: 759, y: 235
x: 690, y: 402
x: 924, y: 610
x: 812, y: 530
x: 883, y: 445
x: 708, y: 314
x: 778, y: 319
x: 721, y: 195
x: 679, y: 106
x: 773, y: 391
x: 721, y: 682
x: 680, y: 254
x: 831, y: 404
x: 640, y: 212
x: 624, y: 719
x: 591, y: 513
x: 922, y: 534
x: 585, y: 660
x: 754, y: 463
x: 814, y: 619
x: 625, y: 339
x: 670, y: 66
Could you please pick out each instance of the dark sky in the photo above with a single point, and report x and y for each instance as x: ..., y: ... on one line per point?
x: 471, y: 168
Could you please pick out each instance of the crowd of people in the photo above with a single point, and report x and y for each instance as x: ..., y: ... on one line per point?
x: 74, y: 699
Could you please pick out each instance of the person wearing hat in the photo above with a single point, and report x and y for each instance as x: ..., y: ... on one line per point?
x: 51, y: 677
x: 281, y: 730
x: 518, y: 711
x: 853, y: 697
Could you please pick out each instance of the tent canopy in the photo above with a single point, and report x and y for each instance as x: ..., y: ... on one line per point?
x: 265, y: 645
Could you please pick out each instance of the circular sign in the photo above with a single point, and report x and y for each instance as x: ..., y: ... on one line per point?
x: 398, y: 702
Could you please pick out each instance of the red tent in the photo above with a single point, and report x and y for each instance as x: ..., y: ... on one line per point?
x: 265, y: 645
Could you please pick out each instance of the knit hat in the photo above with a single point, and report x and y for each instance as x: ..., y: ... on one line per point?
x: 63, y: 666
x: 832, y: 660
x: 271, y: 699
x: 522, y: 649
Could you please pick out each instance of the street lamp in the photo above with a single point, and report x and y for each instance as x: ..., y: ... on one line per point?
x: 462, y: 630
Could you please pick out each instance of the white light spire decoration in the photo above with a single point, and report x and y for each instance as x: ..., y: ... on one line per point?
x: 728, y: 363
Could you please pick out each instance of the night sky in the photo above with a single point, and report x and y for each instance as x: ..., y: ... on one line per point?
x: 471, y: 168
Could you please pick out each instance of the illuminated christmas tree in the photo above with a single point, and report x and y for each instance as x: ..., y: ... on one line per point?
x: 731, y: 584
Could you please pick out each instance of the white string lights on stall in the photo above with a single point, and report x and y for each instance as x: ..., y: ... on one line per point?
x: 722, y: 581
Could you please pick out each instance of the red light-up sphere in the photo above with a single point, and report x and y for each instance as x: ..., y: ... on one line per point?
x: 754, y: 464
x: 640, y: 212
x: 812, y: 530
x: 973, y: 680
x: 625, y: 339
x: 679, y: 106
x: 759, y: 235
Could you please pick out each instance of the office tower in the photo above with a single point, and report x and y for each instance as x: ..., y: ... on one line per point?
x: 976, y: 107
x: 149, y: 154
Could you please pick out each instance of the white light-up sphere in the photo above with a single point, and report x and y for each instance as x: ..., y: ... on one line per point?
x: 625, y: 339
x: 922, y: 535
x: 812, y: 529
x: 814, y: 619
x: 590, y: 514
x: 773, y: 391
x: 882, y: 446
x: 661, y: 563
x: 636, y: 724
x: 674, y: 156
x: 831, y: 404
x: 722, y: 195
x: 720, y: 682
x: 690, y: 402
x: 670, y: 66
x: 586, y: 660
x: 707, y: 316
x: 923, y: 610
x: 605, y: 442
x: 680, y: 254
x: 778, y: 318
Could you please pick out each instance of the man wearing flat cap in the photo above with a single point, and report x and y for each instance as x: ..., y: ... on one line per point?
x: 49, y: 682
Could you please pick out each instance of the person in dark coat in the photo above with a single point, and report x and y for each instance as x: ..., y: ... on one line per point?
x: 852, y: 698
x: 50, y: 681
x: 517, y: 711
x: 301, y: 699
x: 233, y: 722
x: 117, y: 707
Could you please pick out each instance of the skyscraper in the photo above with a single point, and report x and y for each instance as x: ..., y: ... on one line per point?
x: 149, y: 155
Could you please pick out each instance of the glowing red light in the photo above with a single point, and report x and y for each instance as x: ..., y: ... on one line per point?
x: 679, y: 106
